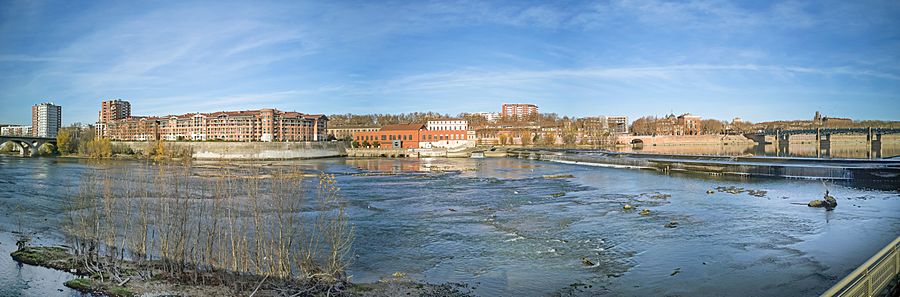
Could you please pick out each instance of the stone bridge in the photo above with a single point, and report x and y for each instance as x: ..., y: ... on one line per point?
x: 823, y: 137
x: 28, y: 145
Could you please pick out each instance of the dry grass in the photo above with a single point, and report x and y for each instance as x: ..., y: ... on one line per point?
x: 214, y: 230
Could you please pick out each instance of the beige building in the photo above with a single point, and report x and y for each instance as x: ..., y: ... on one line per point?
x: 347, y: 132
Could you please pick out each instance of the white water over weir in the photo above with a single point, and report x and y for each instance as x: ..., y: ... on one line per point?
x: 882, y: 173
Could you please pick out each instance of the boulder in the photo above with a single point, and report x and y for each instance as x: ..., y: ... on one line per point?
x: 627, y: 207
x: 645, y: 212
x: 830, y: 202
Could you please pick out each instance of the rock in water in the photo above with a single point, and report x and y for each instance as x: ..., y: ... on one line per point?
x: 672, y: 224
x: 627, y: 207
x: 710, y: 191
x: 645, y: 212
x: 676, y: 271
x: 586, y: 262
x: 830, y: 202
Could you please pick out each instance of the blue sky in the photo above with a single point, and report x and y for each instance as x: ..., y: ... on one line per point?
x: 755, y: 59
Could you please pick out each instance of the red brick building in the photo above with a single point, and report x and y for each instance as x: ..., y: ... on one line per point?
x: 246, y: 125
x: 392, y: 136
x: 410, y: 136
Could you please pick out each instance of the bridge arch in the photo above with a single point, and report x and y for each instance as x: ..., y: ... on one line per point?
x: 28, y: 145
x: 637, y: 143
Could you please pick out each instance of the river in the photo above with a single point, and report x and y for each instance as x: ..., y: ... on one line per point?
x: 502, y: 228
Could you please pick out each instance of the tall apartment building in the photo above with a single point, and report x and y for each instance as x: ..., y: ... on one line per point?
x: 518, y: 110
x: 46, y: 119
x: 246, y: 125
x: 112, y: 110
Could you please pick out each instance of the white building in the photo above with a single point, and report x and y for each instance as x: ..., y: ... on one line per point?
x: 448, y: 125
x: 16, y: 131
x: 46, y: 119
x: 489, y: 116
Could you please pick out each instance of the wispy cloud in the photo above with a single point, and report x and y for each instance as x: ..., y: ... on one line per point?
x: 341, y: 56
x: 681, y: 75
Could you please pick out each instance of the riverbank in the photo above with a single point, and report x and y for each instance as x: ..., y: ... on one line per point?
x: 155, y: 281
x: 248, y: 150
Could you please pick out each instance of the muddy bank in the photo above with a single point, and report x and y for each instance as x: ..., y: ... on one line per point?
x: 149, y: 279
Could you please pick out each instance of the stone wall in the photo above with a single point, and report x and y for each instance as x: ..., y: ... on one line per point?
x: 686, y: 140
x: 252, y: 150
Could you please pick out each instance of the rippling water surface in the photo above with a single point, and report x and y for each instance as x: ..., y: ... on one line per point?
x: 503, y: 228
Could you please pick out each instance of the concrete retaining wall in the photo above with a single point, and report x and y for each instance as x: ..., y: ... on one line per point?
x: 389, y: 153
x: 252, y: 150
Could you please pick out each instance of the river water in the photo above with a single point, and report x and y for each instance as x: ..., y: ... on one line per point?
x: 502, y: 228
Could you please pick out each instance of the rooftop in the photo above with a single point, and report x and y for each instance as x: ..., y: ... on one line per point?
x: 403, y: 127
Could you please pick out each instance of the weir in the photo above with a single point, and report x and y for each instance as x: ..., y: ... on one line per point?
x: 882, y: 173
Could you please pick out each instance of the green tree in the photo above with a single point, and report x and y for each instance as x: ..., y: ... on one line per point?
x: 6, y: 147
x: 47, y: 150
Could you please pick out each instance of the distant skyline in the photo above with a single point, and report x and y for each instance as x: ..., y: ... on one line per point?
x: 756, y: 60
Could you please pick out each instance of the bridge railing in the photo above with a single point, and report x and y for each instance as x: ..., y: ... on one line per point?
x: 871, y: 277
